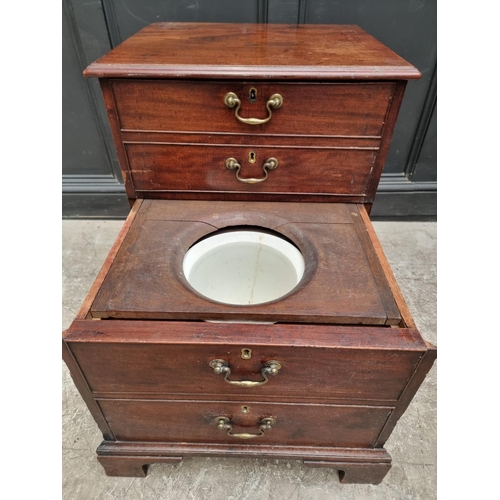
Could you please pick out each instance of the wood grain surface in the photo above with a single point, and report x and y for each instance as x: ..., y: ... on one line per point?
x: 332, y: 136
x: 194, y: 421
x: 355, y: 465
x: 146, y: 280
x: 406, y: 317
x: 209, y: 50
x: 84, y: 310
x: 360, y: 365
x: 140, y: 349
x: 349, y: 109
x: 189, y: 167
x: 173, y: 137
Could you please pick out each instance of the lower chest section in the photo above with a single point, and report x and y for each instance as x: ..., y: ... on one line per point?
x: 304, y: 385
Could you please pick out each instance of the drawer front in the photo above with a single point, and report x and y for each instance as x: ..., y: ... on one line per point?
x: 297, y: 424
x: 353, y: 109
x: 203, y: 168
x: 356, y: 373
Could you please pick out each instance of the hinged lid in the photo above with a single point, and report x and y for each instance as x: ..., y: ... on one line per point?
x: 343, y: 281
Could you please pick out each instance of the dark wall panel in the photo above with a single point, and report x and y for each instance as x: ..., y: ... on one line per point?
x: 127, y: 17
x: 89, y: 158
x: 283, y: 11
x: 408, y: 27
x: 95, y: 205
x: 84, y: 150
x: 409, y: 205
x: 425, y: 168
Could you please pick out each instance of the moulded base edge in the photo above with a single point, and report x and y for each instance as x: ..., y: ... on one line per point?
x: 355, y: 465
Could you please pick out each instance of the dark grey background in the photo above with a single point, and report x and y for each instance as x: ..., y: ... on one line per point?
x: 92, y: 184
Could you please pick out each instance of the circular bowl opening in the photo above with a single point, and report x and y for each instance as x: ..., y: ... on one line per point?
x: 243, y: 267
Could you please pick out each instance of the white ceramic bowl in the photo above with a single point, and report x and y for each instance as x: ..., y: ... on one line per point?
x: 243, y: 267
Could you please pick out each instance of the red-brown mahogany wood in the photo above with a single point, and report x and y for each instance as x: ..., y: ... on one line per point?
x: 354, y: 109
x: 84, y: 310
x: 407, y: 320
x: 132, y: 466
x: 109, y: 102
x: 361, y: 364
x: 166, y: 145
x: 367, y: 466
x: 146, y: 280
x: 191, y: 167
x: 339, y: 99
x: 188, y: 421
x: 389, y: 124
x: 81, y: 384
x: 237, y: 51
x: 350, y: 357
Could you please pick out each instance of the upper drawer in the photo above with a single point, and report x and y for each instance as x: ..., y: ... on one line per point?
x: 355, y: 374
x: 334, y: 109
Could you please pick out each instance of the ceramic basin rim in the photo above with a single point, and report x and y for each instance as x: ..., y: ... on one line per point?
x: 286, y: 249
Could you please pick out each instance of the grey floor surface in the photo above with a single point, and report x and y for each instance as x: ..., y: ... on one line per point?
x: 411, y: 250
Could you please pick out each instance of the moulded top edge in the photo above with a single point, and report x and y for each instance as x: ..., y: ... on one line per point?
x: 100, y: 70
x: 204, y: 50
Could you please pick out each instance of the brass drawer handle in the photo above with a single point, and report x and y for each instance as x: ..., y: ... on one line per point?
x: 269, y: 368
x: 231, y: 100
x: 224, y: 424
x: 269, y: 164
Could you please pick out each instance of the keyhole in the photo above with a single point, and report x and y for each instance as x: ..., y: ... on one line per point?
x: 253, y: 95
x: 251, y: 157
x: 245, y: 409
x: 246, y: 353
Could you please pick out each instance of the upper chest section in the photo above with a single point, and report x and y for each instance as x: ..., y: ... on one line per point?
x: 252, y: 112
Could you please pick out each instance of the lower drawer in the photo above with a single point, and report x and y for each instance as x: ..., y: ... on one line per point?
x: 236, y: 422
x: 171, y: 167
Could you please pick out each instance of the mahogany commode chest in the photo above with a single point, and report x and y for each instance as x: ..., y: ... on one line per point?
x: 246, y: 308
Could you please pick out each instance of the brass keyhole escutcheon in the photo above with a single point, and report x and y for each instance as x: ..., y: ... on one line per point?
x: 245, y: 409
x: 252, y: 157
x: 252, y: 95
x: 246, y: 353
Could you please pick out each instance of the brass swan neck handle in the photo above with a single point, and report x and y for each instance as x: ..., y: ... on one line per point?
x: 224, y: 424
x: 231, y: 100
x: 270, y: 164
x: 270, y: 368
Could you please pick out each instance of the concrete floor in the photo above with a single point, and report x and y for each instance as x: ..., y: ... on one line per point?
x: 411, y: 250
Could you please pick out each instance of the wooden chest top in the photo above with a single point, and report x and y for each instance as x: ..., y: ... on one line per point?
x: 291, y: 52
